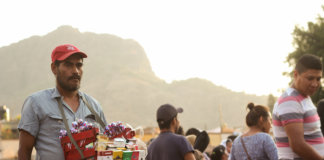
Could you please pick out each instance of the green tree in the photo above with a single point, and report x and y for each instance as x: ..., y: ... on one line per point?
x: 308, y: 40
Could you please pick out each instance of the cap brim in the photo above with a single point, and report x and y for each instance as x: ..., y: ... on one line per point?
x: 83, y: 55
x: 179, y: 110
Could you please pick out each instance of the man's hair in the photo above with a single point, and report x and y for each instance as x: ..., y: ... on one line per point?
x: 165, y: 124
x: 308, y: 61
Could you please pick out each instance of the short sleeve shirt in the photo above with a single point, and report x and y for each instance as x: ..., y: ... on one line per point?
x: 169, y: 146
x: 293, y: 107
x: 259, y: 146
x: 41, y: 117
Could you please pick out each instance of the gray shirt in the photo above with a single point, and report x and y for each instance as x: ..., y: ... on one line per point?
x: 259, y: 146
x: 41, y: 117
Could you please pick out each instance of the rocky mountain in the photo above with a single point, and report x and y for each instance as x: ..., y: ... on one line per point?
x: 118, y: 74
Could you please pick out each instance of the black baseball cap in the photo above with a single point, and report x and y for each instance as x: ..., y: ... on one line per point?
x: 166, y: 112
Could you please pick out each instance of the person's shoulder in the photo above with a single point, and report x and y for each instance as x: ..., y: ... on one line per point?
x: 263, y: 136
x: 42, y: 93
x: 291, y: 95
x: 178, y: 136
x: 174, y: 137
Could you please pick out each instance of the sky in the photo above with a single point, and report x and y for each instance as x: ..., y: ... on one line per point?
x: 241, y: 45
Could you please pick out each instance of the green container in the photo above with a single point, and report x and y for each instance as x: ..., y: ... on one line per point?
x: 127, y: 155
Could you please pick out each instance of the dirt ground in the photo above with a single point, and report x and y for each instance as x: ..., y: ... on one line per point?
x: 9, y: 149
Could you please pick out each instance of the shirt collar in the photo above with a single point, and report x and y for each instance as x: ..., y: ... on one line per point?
x: 56, y: 93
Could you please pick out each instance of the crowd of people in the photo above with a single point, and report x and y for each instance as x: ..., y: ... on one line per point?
x: 295, y: 120
x: 296, y: 123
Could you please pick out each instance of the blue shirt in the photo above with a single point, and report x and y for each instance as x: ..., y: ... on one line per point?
x: 169, y: 146
x: 259, y: 146
x: 41, y: 117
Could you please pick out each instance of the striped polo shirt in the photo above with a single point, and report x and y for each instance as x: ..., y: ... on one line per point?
x: 293, y: 107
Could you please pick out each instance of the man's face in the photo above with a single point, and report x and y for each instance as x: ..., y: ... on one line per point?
x: 69, y: 72
x: 307, y: 82
x: 176, y: 124
x: 229, y: 146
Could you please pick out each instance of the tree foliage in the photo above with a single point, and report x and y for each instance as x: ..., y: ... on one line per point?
x: 309, y: 40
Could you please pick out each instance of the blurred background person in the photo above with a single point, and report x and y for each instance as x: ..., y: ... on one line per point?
x: 201, y: 143
x: 320, y: 111
x: 219, y: 153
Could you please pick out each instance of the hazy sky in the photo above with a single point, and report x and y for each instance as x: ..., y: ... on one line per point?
x: 238, y: 44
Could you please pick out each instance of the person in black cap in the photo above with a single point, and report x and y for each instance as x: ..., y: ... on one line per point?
x: 168, y: 145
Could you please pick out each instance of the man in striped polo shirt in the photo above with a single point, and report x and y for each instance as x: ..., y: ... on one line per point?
x: 296, y: 124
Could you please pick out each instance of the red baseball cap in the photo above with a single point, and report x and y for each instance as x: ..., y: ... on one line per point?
x: 61, y: 52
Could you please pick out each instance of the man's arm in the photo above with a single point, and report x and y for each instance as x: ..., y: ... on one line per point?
x: 189, y: 156
x: 26, y: 144
x: 295, y: 133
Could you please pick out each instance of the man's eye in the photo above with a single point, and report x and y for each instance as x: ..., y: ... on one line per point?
x: 79, y: 65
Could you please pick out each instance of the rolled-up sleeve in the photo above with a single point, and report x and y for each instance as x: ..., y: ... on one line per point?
x: 29, y: 120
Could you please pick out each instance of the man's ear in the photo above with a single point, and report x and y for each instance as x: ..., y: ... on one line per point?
x: 295, y: 74
x: 54, y: 68
x: 174, y: 121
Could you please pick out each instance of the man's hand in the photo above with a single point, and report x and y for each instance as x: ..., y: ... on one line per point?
x: 295, y: 133
x: 26, y: 144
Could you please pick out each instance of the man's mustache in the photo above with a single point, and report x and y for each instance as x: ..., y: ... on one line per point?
x: 75, y: 77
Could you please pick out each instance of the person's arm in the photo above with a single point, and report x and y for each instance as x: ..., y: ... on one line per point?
x: 231, y: 155
x: 295, y: 133
x: 270, y: 148
x: 189, y: 156
x: 26, y: 144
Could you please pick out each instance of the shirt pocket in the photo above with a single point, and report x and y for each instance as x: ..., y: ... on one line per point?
x: 54, y: 124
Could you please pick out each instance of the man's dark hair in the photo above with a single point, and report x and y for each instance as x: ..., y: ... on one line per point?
x: 165, y: 124
x: 308, y: 61
x: 193, y: 131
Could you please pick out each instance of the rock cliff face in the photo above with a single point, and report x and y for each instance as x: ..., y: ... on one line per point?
x: 118, y: 74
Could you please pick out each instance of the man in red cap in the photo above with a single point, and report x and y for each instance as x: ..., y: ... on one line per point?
x: 46, y: 112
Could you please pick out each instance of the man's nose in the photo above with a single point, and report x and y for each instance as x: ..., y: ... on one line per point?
x: 315, y: 83
x: 75, y: 69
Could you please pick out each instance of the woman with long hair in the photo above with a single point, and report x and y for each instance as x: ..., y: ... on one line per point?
x: 256, y: 143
